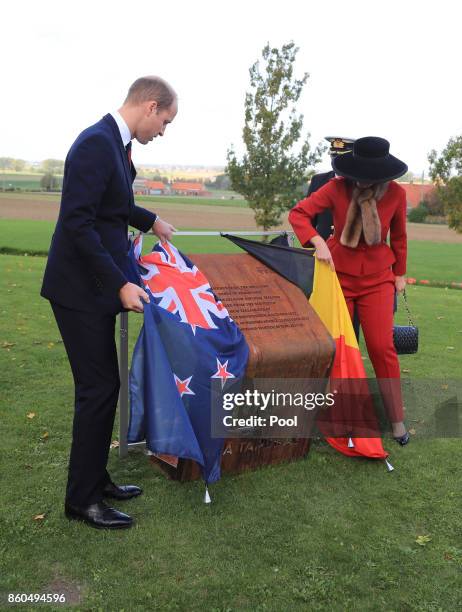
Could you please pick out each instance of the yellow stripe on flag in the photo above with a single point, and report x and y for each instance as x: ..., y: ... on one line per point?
x: 330, y: 306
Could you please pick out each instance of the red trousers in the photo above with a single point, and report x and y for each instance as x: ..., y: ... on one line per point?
x: 373, y: 297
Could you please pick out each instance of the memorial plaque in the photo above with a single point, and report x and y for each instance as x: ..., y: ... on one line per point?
x: 286, y: 339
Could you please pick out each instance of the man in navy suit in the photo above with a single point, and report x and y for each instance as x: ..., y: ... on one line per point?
x: 87, y: 281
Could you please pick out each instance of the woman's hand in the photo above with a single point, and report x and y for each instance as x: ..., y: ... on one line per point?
x: 322, y: 251
x: 163, y: 230
x: 400, y: 283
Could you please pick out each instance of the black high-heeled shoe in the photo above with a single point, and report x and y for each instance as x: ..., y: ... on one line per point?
x: 402, y: 440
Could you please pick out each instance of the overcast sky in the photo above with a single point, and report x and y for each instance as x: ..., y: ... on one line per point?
x: 376, y: 68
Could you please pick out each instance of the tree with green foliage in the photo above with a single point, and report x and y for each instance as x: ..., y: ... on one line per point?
x: 10, y: 163
x: 446, y: 173
x: 160, y: 178
x: 271, y: 175
x: 434, y: 204
x: 49, y: 182
x: 6, y: 163
x: 221, y: 182
x: 53, y: 166
x: 418, y: 214
x: 19, y: 165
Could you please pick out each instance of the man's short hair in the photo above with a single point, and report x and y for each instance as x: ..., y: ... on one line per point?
x: 151, y: 88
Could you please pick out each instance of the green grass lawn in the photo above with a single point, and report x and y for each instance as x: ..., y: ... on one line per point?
x: 435, y: 261
x: 25, y: 236
x: 325, y: 533
x: 33, y: 238
x: 426, y: 260
x: 212, y: 201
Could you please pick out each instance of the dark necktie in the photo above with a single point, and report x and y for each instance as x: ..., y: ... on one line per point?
x: 128, y: 148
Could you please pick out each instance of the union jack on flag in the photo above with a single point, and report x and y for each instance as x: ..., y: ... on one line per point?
x: 188, y: 340
x: 180, y: 287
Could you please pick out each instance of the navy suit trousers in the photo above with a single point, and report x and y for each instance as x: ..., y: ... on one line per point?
x: 91, y: 348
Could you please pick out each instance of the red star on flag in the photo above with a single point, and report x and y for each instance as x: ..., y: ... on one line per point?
x: 222, y: 372
x: 183, y: 386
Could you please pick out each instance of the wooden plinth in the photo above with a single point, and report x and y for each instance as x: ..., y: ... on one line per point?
x: 240, y: 456
x: 286, y: 340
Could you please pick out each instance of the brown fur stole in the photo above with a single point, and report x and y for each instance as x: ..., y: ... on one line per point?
x: 362, y: 216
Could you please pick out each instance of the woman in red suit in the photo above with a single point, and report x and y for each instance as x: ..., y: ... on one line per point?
x: 366, y: 205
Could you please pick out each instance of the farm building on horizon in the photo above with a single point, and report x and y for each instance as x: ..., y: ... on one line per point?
x: 145, y: 187
x: 417, y: 192
x: 184, y: 188
x: 157, y: 187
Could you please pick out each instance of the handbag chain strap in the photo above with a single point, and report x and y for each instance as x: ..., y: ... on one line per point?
x: 407, y: 308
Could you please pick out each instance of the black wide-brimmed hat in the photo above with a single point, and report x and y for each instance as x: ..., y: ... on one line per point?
x: 369, y: 162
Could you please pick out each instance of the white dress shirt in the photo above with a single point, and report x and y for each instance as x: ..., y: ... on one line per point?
x: 123, y: 127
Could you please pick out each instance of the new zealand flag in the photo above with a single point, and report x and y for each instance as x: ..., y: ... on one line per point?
x: 187, y: 341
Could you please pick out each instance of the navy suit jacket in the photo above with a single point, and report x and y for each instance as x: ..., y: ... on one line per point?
x: 88, y: 261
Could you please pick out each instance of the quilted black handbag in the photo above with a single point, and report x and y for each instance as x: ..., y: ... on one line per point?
x: 406, y: 337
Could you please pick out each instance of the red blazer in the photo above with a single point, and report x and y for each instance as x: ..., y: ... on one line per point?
x: 364, y: 259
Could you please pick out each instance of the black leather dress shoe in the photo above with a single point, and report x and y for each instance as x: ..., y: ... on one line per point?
x: 121, y: 492
x: 99, y: 515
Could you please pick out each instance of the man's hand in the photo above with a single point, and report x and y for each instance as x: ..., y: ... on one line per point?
x: 163, y: 230
x: 131, y: 296
x: 322, y: 251
x: 400, y: 283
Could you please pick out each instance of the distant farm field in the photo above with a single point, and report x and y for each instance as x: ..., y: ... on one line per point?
x: 182, y: 212
x: 191, y: 212
x: 27, y: 222
x: 31, y: 182
x: 21, y: 180
x: 433, y: 261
